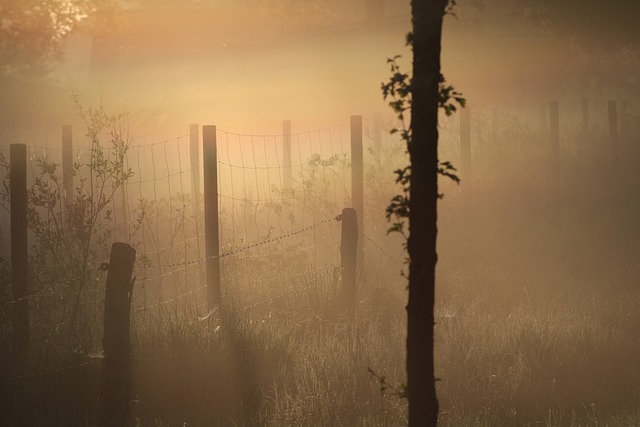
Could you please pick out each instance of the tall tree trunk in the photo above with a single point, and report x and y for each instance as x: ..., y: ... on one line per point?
x: 427, y: 17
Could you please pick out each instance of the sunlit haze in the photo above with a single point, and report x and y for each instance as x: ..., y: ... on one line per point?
x: 205, y: 208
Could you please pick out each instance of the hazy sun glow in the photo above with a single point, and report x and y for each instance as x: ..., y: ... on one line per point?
x: 241, y: 157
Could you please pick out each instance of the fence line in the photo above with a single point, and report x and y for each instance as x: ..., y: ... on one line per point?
x: 159, y: 304
x: 251, y: 246
x: 183, y: 266
x: 282, y: 294
x: 41, y: 293
x: 201, y: 260
x: 254, y: 202
x: 159, y: 209
x: 382, y: 251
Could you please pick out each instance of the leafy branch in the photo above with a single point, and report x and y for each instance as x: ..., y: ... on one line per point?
x: 71, y: 233
x: 397, y: 91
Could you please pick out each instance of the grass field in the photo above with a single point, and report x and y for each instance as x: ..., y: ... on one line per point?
x: 523, y: 338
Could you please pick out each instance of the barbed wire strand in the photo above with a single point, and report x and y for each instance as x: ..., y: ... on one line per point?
x: 39, y: 294
x: 266, y: 135
x: 254, y: 245
x: 281, y: 294
x: 385, y: 253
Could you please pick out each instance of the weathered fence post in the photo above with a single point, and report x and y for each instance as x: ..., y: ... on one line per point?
x: 67, y: 164
x: 211, y: 226
x: 554, y: 137
x: 357, y: 176
x: 613, y: 133
x: 348, y: 257
x: 465, y: 145
x: 114, y: 393
x: 194, y: 149
x: 19, y: 252
x: 287, y: 177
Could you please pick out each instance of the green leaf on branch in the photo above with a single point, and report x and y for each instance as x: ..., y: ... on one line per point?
x: 448, y: 170
x: 448, y: 97
x: 397, y: 91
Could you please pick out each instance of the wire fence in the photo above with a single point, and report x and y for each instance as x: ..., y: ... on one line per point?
x: 263, y: 193
x: 277, y: 193
x: 278, y: 234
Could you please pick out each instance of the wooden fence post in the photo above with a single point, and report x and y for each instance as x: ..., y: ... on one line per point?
x: 613, y: 133
x: 348, y: 257
x: 211, y: 226
x: 19, y: 253
x: 554, y: 136
x: 67, y: 164
x: 357, y: 176
x: 287, y: 176
x: 114, y: 393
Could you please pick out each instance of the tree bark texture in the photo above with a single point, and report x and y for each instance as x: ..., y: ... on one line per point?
x: 427, y: 17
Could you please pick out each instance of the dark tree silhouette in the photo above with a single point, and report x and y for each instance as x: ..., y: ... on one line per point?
x: 427, y: 17
x: 33, y: 32
x: 594, y: 24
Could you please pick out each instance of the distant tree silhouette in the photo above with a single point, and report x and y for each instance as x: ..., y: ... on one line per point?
x: 591, y: 24
x: 603, y: 36
x: 33, y: 32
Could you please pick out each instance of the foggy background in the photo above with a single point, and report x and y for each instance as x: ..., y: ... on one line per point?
x: 537, y: 282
